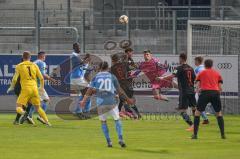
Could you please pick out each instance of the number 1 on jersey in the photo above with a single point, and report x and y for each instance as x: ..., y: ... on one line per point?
x: 29, y: 71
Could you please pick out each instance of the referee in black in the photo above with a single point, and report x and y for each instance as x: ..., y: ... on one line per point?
x: 209, y: 85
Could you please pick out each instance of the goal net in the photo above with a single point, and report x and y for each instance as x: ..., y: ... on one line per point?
x: 219, y: 41
x: 213, y: 37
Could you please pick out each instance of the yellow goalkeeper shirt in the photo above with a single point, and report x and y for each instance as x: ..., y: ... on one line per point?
x: 28, y: 72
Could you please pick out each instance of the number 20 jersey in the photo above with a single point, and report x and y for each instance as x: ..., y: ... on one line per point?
x: 106, y: 85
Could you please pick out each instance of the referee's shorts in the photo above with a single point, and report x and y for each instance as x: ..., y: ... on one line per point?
x: 209, y: 96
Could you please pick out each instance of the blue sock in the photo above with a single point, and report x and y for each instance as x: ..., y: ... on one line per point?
x: 87, y: 106
x: 32, y: 110
x: 44, y: 106
x: 204, y: 116
x: 78, y: 109
x: 118, y: 126
x: 106, y: 132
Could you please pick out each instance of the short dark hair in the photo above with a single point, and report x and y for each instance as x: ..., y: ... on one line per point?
x: 41, y: 53
x: 75, y: 44
x: 208, y: 63
x: 115, y: 58
x: 147, y: 51
x: 183, y: 56
x: 128, y: 50
x: 199, y: 59
x: 103, y: 65
x: 26, y: 55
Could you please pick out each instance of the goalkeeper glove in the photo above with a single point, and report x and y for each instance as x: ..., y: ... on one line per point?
x: 10, y: 89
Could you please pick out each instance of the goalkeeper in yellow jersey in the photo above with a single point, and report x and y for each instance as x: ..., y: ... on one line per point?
x: 29, y: 72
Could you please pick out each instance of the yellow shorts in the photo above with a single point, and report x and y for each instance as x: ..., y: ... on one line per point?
x: 29, y: 94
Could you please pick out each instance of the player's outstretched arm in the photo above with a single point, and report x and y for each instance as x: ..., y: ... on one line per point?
x: 14, y: 80
x: 165, y: 77
x: 88, y: 94
x: 220, y: 83
x: 46, y: 76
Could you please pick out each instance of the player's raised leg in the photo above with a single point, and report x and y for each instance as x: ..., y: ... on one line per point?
x: 182, y: 107
x: 157, y: 95
x: 42, y: 114
x: 35, y: 100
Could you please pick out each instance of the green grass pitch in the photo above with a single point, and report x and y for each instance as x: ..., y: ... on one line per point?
x: 74, y: 139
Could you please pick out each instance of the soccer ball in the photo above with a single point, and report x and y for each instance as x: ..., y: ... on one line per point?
x: 123, y: 19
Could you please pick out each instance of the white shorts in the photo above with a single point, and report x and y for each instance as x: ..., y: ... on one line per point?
x: 44, y: 95
x: 196, y: 96
x: 113, y: 112
x: 79, y: 82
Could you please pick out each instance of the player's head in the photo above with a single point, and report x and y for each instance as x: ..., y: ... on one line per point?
x: 129, y: 52
x: 182, y: 58
x: 26, y: 56
x: 208, y: 63
x: 76, y: 47
x: 147, y: 55
x: 87, y: 58
x: 115, y: 58
x: 103, y: 66
x: 198, y: 60
x: 41, y: 55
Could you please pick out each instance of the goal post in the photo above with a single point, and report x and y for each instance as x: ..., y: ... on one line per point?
x: 220, y: 41
x: 212, y: 37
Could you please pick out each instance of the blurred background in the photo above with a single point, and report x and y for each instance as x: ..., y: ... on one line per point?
x: 159, y: 25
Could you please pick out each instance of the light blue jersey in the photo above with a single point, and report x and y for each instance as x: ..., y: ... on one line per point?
x: 78, y: 70
x: 106, y: 84
x: 42, y: 67
x: 198, y: 69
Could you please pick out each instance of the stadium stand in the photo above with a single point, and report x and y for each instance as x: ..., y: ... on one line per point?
x: 101, y: 24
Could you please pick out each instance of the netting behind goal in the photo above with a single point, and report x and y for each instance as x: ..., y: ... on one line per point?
x: 215, y: 38
x: 220, y: 41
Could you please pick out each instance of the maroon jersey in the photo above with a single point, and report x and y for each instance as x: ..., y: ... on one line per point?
x: 153, y: 69
x: 120, y: 71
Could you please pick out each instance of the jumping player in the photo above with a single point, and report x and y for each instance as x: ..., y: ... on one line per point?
x: 152, y: 68
x: 105, y: 85
x: 78, y: 81
x: 29, y: 72
x: 209, y: 84
x: 120, y: 70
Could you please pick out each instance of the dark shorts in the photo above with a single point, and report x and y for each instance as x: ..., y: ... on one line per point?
x: 186, y: 100
x: 127, y: 88
x: 212, y: 97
